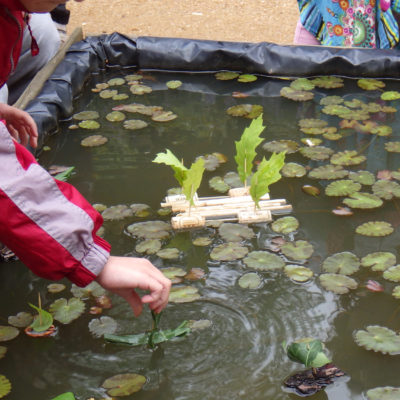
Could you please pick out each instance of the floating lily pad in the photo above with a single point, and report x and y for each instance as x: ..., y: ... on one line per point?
x: 89, y: 124
x: 228, y: 252
x: 65, y: 311
x: 149, y: 246
x: 354, y: 103
x: 55, y: 287
x: 293, y: 170
x: 218, y: 184
x: 277, y: 146
x: 226, y: 75
x: 332, y: 136
x: 140, y: 210
x: 8, y: 333
x: 245, y: 110
x: 211, y: 162
x: 336, y: 283
x: 150, y: 229
x: 3, y: 351
x: 379, y: 261
x: 202, y: 241
x: 195, y: 274
x: 246, y: 78
x: 390, y: 95
x: 100, y: 326
x: 116, y: 82
x: 86, y: 115
x: 163, y: 116
x: 168, y: 254
x: 363, y: 201
x: 124, y: 384
x: 296, y: 95
x: 101, y: 86
x: 384, y: 393
x: 344, y: 263
x: 328, y: 171
x: 378, y: 338
x: 140, y: 89
x: 392, y: 273
x: 183, y: 294
x: 5, y: 386
x: 339, y: 110
x: 91, y: 290
x: 316, y: 153
x: 120, y: 96
x: 395, y: 294
x: 344, y: 187
x: 302, y: 84
x: 347, y: 157
x: 21, y: 320
x: 382, y: 130
x: 115, y: 116
x: 327, y: 131
x: 312, y: 123
x: 263, y: 261
x: 108, y: 93
x: 231, y: 232
x: 133, y: 77
x: 285, y: 225
x: 363, y: 177
x: 173, y: 272
x: 250, y: 280
x: 386, y: 189
x: 329, y: 100
x: 392, y: 147
x: 117, y: 213
x: 298, y: 273
x: 370, y: 84
x: 94, y: 141
x: 232, y: 179
x: 173, y: 84
x: 297, y: 250
x: 138, y: 108
x: 375, y: 229
x: 134, y: 124
x: 328, y: 82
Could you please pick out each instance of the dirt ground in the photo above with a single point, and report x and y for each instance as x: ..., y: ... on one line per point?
x: 228, y: 20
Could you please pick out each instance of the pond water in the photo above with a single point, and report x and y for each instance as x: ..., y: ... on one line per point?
x: 240, y: 356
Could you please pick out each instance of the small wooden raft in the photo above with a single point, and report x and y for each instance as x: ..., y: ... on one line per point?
x: 238, y: 206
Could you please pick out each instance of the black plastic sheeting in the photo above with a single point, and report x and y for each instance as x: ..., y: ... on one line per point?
x: 96, y: 53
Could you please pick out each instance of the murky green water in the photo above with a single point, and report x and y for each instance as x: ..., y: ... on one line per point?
x: 240, y: 355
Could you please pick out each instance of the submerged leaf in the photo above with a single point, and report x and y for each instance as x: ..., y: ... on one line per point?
x: 378, y: 338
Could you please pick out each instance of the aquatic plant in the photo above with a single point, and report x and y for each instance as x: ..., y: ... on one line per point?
x: 307, y: 351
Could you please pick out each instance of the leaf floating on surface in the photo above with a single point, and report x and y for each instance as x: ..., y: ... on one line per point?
x: 392, y: 273
x: 396, y: 292
x: 117, y: 213
x: 246, y: 78
x: 298, y: 273
x: 183, y: 294
x: 211, y: 162
x: 150, y: 229
x: 65, y: 311
x: 375, y: 229
x: 168, y: 254
x: 250, y: 280
x: 21, y: 320
x: 379, y: 261
x: 140, y: 89
x: 316, y: 153
x: 163, y: 116
x: 390, y: 95
x: 277, y: 146
x: 344, y: 263
x: 263, y: 261
x: 91, y: 290
x: 8, y: 333
x: 386, y: 189
x: 363, y: 201
x: 336, y: 283
x: 124, y: 384
x: 108, y: 94
x: 226, y: 75
x: 285, y: 225
x: 228, y: 252
x: 393, y: 147
x: 296, y: 95
x: 103, y: 325
x: 86, y: 115
x: 94, y: 141
x: 379, y: 339
x: 363, y: 177
x: 298, y: 250
x: 347, y: 157
x: 218, y: 184
x: 115, y: 116
x: 202, y: 241
x: 370, y: 84
x: 328, y: 171
x: 312, y: 123
x: 307, y: 351
x: 174, y: 84
x: 149, y: 246
x: 116, y: 82
x: 384, y: 393
x: 251, y: 111
x: 231, y: 232
x: 328, y: 82
x: 345, y: 187
x: 3, y: 351
x: 5, y: 386
x: 89, y: 124
x: 293, y: 170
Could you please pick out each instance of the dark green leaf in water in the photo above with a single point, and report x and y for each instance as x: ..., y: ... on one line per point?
x: 392, y: 273
x: 150, y: 229
x: 94, y: 141
x: 312, y: 123
x: 3, y: 351
x: 246, y: 78
x: 393, y: 147
x: 226, y: 75
x: 336, y: 283
x: 8, y: 333
x: 89, y: 124
x: 307, y: 351
x: 379, y: 261
x: 328, y: 171
x: 108, y: 93
x: 263, y: 261
x: 328, y: 82
x: 183, y: 294
x: 298, y: 273
x: 21, y: 320
x: 163, y: 116
x: 115, y: 116
x: 98, y: 327
x: 168, y: 254
x: 86, y: 115
x: 310, y: 190
x: 124, y: 384
x: 293, y: 170
x: 344, y: 187
x: 116, y: 82
x: 228, y: 252
x: 298, y: 250
x: 140, y: 89
x: 65, y: 311
x: 285, y: 225
x: 386, y: 189
x: 363, y: 177
x: 148, y: 246
x: 375, y: 229
x: 363, y: 200
x: 296, y: 95
x: 347, y: 157
x: 245, y: 110
x: 218, y: 184
x: 5, y: 386
x: 384, y: 393
x: 232, y: 232
x: 302, y: 84
x: 390, y: 95
x: 344, y: 263
x: 117, y: 213
x: 173, y: 84
x: 42, y: 321
x: 316, y: 153
x: 250, y: 280
x: 91, y: 290
x: 370, y: 84
x: 277, y: 146
x: 378, y: 338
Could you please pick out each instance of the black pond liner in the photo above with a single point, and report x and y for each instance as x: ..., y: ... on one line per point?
x: 97, y: 53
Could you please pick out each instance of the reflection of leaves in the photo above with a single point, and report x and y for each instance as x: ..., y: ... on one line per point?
x: 344, y: 263
x: 376, y: 229
x: 307, y: 351
x: 379, y: 261
x: 378, y: 338
x: 297, y: 250
x: 337, y: 283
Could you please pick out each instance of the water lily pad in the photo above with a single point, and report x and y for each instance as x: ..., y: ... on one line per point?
x: 392, y: 273
x: 218, y: 184
x: 246, y: 78
x: 138, y: 108
x: 298, y: 273
x: 297, y: 250
x: 384, y: 393
x: 293, y: 170
x: 116, y: 82
x: 169, y: 253
x: 8, y: 333
x: 392, y: 147
x: 94, y: 141
x: 174, y: 84
x: 202, y: 241
x: 149, y: 246
x: 311, y: 141
x: 228, y: 252
x: 150, y: 229
x: 86, y: 115
x: 195, y: 274
x: 173, y: 272
x: 344, y: 263
x: 98, y: 327
x: 354, y: 103
x: 378, y: 338
x: 108, y: 93
x: 390, y: 95
x: 296, y: 95
x: 250, y: 280
x: 55, y: 287
x: 232, y: 179
x: 65, y: 311
x: 395, y: 294
x: 379, y: 261
x: 133, y: 77
x: 336, y: 283
x: 134, y: 124
x: 263, y: 261
x: 101, y: 86
x: 140, y: 89
x: 363, y: 201
x: 21, y: 320
x: 3, y: 351
x: 370, y: 84
x: 302, y: 84
x: 226, y: 75
x: 316, y: 153
x: 344, y: 187
x: 5, y: 386
x: 312, y: 123
x: 91, y: 290
x: 347, y: 157
x: 328, y: 82
x: 183, y: 294
x: 339, y: 110
x: 231, y: 232
x: 117, y: 213
x: 163, y: 116
x: 363, y: 177
x: 328, y: 171
x: 329, y: 100
x: 211, y: 162
x: 245, y: 110
x: 382, y: 130
x: 285, y: 225
x: 115, y: 116
x: 89, y: 124
x: 277, y: 146
x: 124, y: 384
x: 375, y: 229
x: 332, y: 135
x: 120, y: 96
x: 386, y: 189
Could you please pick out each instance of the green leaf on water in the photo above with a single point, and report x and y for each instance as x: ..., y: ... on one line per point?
x: 336, y: 283
x: 21, y: 320
x: 347, y: 157
x: 293, y: 170
x: 363, y: 201
x: 307, y: 351
x: 277, y: 146
x: 344, y: 263
x: 317, y: 153
x: 384, y: 393
x: 124, y: 384
x: 312, y: 123
x: 65, y: 311
x: 379, y: 261
x: 375, y: 229
x: 218, y: 184
x: 390, y: 95
x: 103, y: 325
x: 245, y: 78
x: 298, y: 273
x: 193, y: 179
x: 5, y: 386
x: 174, y: 84
x: 393, y: 147
x: 263, y: 261
x: 228, y: 252
x: 250, y: 280
x: 378, y: 338
x: 386, y: 189
x: 183, y: 294
x: 42, y: 321
x: 370, y: 84
x: 392, y: 273
x: 63, y: 176
x: 328, y: 171
x: 89, y: 124
x: 302, y: 84
x: 169, y: 158
x: 85, y: 115
x: 363, y: 177
x: 231, y: 232
x: 396, y: 292
x: 296, y: 95
x: 8, y: 333
x: 297, y: 250
x: 328, y: 82
x: 226, y: 75
x: 285, y: 225
x: 344, y: 187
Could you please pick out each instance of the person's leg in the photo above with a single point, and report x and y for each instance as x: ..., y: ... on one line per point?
x: 48, y: 39
x: 303, y: 37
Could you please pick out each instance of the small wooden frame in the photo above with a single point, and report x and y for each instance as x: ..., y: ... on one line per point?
x: 238, y: 206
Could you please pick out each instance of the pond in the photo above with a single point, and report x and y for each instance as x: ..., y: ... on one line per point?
x: 240, y: 354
